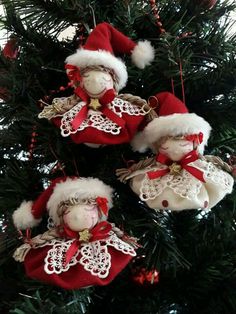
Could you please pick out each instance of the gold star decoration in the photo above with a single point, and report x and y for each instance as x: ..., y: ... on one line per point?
x: 84, y: 235
x: 94, y: 104
x: 175, y: 169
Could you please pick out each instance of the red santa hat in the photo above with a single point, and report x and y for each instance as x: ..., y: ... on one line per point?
x: 29, y: 214
x: 102, y: 45
x: 174, y: 120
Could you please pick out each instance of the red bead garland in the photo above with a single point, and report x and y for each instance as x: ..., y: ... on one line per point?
x: 157, y: 16
x: 80, y: 33
x: 32, y: 142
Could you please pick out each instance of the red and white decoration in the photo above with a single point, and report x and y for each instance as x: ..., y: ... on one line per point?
x: 81, y: 248
x: 100, y: 116
x: 178, y: 179
x: 115, y: 123
x: 103, y: 44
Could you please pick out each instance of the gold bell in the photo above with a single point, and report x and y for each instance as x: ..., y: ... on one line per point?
x: 84, y: 235
x: 175, y: 169
x: 94, y: 104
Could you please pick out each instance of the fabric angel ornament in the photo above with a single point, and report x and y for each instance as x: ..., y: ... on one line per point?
x: 96, y: 114
x: 179, y: 177
x: 81, y: 248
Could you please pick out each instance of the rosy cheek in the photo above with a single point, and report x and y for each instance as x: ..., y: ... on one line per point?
x: 87, y: 221
x: 85, y: 82
x: 108, y: 83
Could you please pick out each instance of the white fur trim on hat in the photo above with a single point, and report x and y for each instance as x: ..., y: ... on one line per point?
x: 81, y: 188
x: 143, y: 54
x: 175, y: 125
x: 84, y: 58
x: 23, y: 218
x: 138, y: 142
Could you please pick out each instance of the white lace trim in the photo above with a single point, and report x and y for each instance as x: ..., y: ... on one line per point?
x: 97, y: 120
x: 95, y: 257
x: 120, y: 106
x: 120, y: 245
x: 55, y: 259
x: 185, y: 185
x: 214, y: 174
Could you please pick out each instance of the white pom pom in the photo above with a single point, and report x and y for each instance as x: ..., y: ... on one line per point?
x: 143, y: 54
x: 23, y: 218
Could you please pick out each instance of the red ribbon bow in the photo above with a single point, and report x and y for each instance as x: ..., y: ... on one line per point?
x: 73, y: 73
x: 99, y: 232
x: 190, y: 157
x: 104, y: 100
x: 102, y: 204
x: 27, y: 237
x: 195, y: 137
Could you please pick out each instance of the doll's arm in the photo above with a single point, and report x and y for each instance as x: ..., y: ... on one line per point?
x: 218, y: 179
x: 138, y: 101
x: 125, y: 174
x: 218, y: 162
x: 58, y: 107
x: 38, y: 241
x: 124, y: 237
x: 218, y: 190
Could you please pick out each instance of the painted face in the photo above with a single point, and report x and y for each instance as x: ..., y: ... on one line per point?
x: 96, y: 83
x: 80, y: 217
x: 176, y: 149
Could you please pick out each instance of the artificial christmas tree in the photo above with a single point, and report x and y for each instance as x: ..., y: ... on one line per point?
x: 186, y: 259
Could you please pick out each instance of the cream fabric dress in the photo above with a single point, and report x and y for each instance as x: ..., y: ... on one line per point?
x: 182, y: 191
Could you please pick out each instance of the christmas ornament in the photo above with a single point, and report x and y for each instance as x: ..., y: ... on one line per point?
x: 178, y: 178
x: 11, y: 49
x: 95, y: 114
x: 81, y: 248
x: 142, y: 276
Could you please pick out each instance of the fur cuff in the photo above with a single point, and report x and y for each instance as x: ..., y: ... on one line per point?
x: 84, y: 58
x: 143, y: 54
x: 23, y: 218
x: 81, y: 188
x: 139, y: 143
